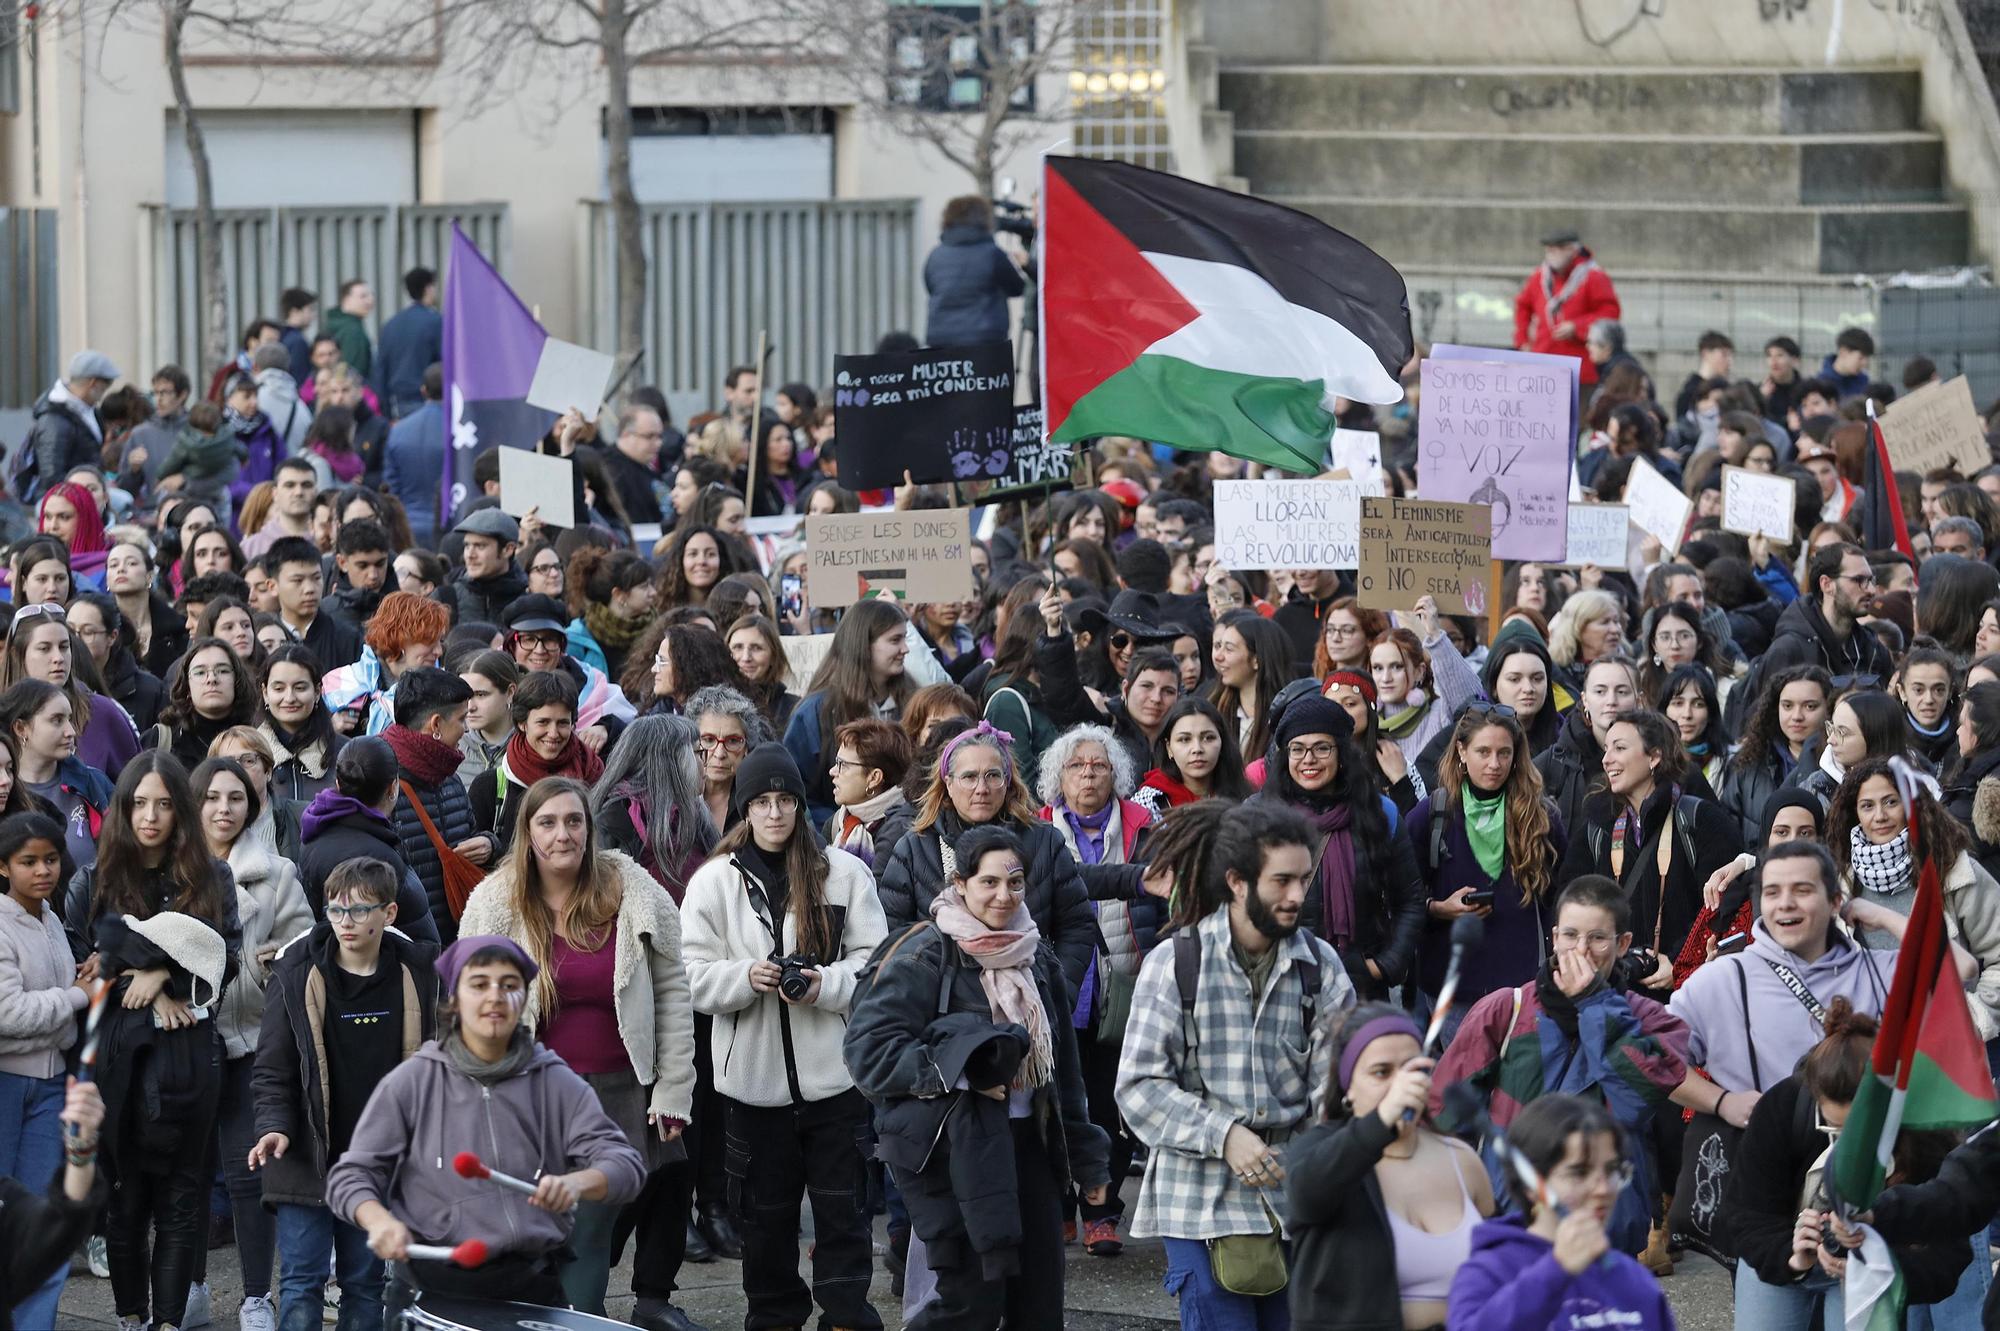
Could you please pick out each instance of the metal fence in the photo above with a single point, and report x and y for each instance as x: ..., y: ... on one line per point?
x: 29, y: 351
x: 266, y: 250
x: 822, y: 278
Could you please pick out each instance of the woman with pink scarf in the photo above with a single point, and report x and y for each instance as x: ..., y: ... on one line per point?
x: 961, y: 1038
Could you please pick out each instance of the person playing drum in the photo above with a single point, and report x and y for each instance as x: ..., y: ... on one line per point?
x: 485, y: 1087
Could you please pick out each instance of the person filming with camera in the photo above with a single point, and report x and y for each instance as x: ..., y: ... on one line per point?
x: 775, y: 931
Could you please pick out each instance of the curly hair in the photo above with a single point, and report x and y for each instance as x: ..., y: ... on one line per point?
x: 180, y: 710
x: 1529, y: 855
x: 1762, y: 729
x: 1939, y: 835
x: 1124, y: 772
x: 404, y: 620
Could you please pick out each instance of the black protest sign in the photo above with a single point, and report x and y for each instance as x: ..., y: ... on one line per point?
x: 941, y: 414
x: 1037, y: 464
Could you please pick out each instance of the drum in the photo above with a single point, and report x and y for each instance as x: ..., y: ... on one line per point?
x: 436, y: 1312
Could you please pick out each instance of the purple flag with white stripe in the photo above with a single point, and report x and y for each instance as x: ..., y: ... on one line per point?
x: 491, y: 347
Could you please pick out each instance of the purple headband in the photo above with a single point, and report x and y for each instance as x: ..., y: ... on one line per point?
x: 983, y: 732
x: 1367, y: 1035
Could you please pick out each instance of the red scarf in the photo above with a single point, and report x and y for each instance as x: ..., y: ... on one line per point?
x: 575, y: 760
x: 428, y: 760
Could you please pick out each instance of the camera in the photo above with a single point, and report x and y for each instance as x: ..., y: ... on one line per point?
x: 793, y: 982
x: 1634, y: 967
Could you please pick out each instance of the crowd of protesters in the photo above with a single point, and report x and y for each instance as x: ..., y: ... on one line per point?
x: 1112, y: 901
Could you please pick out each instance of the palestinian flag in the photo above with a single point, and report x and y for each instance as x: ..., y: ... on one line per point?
x: 1205, y: 319
x: 1872, y: 1296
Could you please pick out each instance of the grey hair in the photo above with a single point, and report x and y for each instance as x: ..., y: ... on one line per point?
x: 654, y: 762
x: 722, y: 700
x: 1609, y: 332
x: 1124, y: 774
x: 1965, y: 526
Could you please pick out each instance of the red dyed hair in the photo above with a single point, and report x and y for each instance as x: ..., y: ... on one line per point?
x: 89, y: 538
x: 404, y: 620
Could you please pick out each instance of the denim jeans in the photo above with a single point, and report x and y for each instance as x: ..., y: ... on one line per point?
x: 1960, y: 1312
x: 305, y: 1235
x: 1813, y: 1304
x: 1207, y: 1306
x: 31, y: 1151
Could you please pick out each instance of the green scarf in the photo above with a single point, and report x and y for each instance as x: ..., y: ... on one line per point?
x: 612, y: 630
x: 1403, y: 723
x: 1486, y: 829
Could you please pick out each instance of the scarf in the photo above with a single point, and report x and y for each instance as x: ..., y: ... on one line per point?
x: 1486, y: 828
x: 310, y: 755
x: 1944, y: 724
x: 345, y: 464
x: 852, y: 823
x: 1579, y: 272
x: 1006, y: 960
x: 1087, y: 832
x: 613, y: 631
x: 1336, y: 876
x: 1832, y: 766
x: 523, y: 762
x: 429, y: 760
x: 1560, y: 1007
x: 1404, y: 721
x: 520, y: 1051
x: 1884, y: 870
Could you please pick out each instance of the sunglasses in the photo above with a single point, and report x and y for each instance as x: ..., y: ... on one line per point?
x: 1500, y: 709
x: 40, y: 610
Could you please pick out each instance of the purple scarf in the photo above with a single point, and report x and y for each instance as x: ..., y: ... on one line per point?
x: 1089, y: 829
x: 1336, y: 876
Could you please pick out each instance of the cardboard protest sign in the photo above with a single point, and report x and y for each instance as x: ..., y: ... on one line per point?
x: 1287, y: 524
x: 537, y: 480
x: 1497, y: 433
x: 568, y: 375
x: 1936, y: 426
x: 1754, y: 503
x: 1036, y: 464
x: 1359, y: 454
x: 803, y: 654
x: 916, y: 556
x: 941, y: 413
x: 1412, y: 548
x: 1658, y: 507
x: 1599, y: 534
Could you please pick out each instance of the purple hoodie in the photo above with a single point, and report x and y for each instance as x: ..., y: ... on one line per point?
x: 331, y: 806
x: 1512, y: 1282
x: 542, y: 1120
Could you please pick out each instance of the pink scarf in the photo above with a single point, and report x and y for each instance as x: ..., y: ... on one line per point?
x: 1006, y: 960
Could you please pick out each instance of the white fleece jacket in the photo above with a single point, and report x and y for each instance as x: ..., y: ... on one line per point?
x: 39, y: 996
x: 651, y: 984
x: 271, y: 907
x: 726, y: 934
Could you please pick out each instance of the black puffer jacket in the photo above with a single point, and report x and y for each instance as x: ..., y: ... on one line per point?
x: 1803, y: 637
x: 450, y: 810
x: 138, y: 691
x: 356, y: 836
x: 1743, y: 788
x: 892, y: 1061
x: 170, y: 637
x: 481, y: 600
x: 1057, y: 899
x: 1572, y: 765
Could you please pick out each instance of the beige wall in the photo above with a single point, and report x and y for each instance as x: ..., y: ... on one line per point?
x: 532, y: 143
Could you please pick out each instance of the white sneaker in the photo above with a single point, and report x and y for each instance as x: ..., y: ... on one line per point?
x: 330, y: 1304
x: 99, y: 1257
x: 128, y: 1323
x: 256, y: 1314
x: 199, y: 1310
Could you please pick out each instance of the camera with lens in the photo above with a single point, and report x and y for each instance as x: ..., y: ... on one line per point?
x: 1634, y: 968
x: 793, y: 982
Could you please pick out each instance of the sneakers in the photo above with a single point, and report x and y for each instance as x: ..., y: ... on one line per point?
x: 257, y: 1314
x: 1100, y: 1237
x: 330, y: 1304
x: 98, y: 1256
x: 128, y: 1323
x: 200, y: 1309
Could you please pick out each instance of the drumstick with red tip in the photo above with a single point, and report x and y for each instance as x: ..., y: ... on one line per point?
x: 468, y: 1254
x: 86, y: 1068
x: 469, y: 1165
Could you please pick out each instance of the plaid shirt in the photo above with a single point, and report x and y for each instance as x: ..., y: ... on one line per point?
x: 1253, y: 1060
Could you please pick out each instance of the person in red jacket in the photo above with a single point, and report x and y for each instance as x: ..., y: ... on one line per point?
x: 1561, y: 300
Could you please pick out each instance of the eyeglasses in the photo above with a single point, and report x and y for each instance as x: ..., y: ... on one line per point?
x: 1858, y: 579
x: 727, y: 743
x: 211, y: 674
x: 1319, y: 752
x: 1676, y: 637
x: 546, y: 568
x: 840, y: 764
x: 1086, y: 767
x: 336, y: 914
x: 992, y: 776
x: 1343, y: 630
x: 773, y: 806
x: 1596, y: 942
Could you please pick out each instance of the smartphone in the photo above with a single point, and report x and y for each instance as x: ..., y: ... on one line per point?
x: 792, y: 595
x: 1734, y: 943
x: 1480, y: 898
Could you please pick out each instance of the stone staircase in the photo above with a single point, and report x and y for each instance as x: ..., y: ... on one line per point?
x: 1711, y: 173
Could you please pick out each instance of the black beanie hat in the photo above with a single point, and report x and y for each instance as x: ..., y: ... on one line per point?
x: 1314, y: 716
x: 765, y: 770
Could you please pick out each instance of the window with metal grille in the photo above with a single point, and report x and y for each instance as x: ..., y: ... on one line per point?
x: 1117, y: 89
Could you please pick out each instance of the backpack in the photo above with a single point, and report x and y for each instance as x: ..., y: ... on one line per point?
x: 24, y: 473
x: 1187, y: 977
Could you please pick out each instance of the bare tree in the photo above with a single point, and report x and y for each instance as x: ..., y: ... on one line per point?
x: 215, y: 341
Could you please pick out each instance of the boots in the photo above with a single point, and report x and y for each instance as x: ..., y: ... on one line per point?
x: 1655, y: 1258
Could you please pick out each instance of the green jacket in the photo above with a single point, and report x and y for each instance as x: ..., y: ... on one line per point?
x: 351, y: 336
x: 203, y: 457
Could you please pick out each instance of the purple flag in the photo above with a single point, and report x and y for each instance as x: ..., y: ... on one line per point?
x: 491, y: 347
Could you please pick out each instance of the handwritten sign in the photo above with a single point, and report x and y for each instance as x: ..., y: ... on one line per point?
x: 913, y: 556
x: 1412, y: 548
x: 531, y: 480
x: 1036, y: 464
x: 1658, y: 507
x: 1359, y: 454
x: 1599, y: 534
x: 1755, y: 504
x: 941, y: 413
x: 1936, y: 426
x: 1287, y: 524
x: 1497, y: 433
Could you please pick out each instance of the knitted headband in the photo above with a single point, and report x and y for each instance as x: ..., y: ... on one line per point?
x: 983, y: 733
x: 1353, y: 679
x: 1368, y: 1034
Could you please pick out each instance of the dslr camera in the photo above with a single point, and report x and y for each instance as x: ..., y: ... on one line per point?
x: 793, y: 982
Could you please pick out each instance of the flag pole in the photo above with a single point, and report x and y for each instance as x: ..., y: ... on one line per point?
x: 754, y: 445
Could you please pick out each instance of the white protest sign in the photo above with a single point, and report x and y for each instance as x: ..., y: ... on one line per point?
x: 536, y: 480
x: 1359, y: 454
x: 1599, y: 534
x: 1756, y: 504
x: 803, y: 654
x: 1269, y: 524
x: 568, y: 376
x: 1658, y: 507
